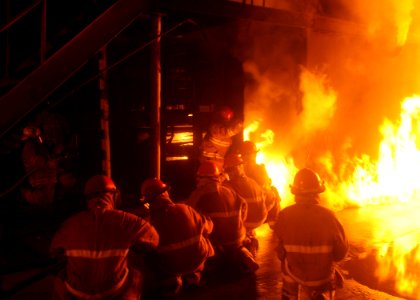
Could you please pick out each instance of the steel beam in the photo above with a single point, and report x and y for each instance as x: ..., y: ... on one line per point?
x: 18, y: 102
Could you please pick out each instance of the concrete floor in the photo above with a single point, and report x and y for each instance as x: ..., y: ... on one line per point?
x: 264, y: 284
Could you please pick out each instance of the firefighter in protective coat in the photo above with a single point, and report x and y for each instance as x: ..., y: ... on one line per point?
x: 228, y: 212
x: 311, y: 242
x: 254, y: 195
x: 96, y: 243
x: 184, y: 245
x: 218, y: 139
x: 258, y: 172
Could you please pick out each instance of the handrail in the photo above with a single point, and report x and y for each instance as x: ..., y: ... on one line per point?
x: 19, y: 16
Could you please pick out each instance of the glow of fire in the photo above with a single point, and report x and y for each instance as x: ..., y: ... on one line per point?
x: 403, y: 19
x: 394, y: 178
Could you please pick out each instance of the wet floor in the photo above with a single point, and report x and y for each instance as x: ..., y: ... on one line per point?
x: 265, y: 283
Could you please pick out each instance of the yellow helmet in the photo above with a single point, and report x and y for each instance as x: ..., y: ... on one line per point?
x: 307, y: 182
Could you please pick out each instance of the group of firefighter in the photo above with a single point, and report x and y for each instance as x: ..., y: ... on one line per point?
x: 166, y: 246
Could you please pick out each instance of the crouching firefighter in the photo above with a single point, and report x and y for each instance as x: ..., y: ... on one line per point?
x: 96, y: 243
x: 311, y: 242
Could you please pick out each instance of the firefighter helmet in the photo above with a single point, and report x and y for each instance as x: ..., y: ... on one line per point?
x: 99, y: 184
x: 307, y: 182
x: 208, y: 168
x: 232, y: 160
x: 226, y: 113
x: 248, y: 147
x: 152, y: 187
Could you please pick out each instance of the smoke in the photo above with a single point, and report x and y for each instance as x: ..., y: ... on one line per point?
x: 387, y: 17
x: 355, y: 76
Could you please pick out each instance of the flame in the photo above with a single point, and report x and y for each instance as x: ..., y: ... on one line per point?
x: 393, y: 178
x: 403, y: 19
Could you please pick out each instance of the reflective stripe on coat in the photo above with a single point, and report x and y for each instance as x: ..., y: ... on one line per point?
x: 96, y: 244
x: 183, y: 232
x: 253, y: 194
x: 311, y: 239
x: 224, y: 207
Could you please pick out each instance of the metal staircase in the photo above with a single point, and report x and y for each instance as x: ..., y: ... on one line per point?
x: 30, y: 92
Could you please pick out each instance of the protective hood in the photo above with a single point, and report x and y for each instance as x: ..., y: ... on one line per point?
x: 102, y: 201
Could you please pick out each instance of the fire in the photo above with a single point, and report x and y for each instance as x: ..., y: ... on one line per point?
x: 338, y: 128
x: 393, y: 179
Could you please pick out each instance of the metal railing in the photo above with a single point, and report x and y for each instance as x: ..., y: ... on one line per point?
x: 11, y: 21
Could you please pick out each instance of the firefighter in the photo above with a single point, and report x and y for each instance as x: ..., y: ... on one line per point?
x: 311, y: 242
x: 254, y: 195
x: 218, y: 138
x: 47, y: 156
x: 184, y: 245
x: 248, y: 151
x: 40, y: 167
x: 228, y: 212
x: 96, y: 243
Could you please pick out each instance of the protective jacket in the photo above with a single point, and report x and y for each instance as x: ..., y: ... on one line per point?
x: 183, y: 232
x: 96, y: 243
x: 224, y: 207
x: 311, y: 239
x: 259, y: 173
x: 254, y: 195
x: 41, y: 168
x: 217, y: 142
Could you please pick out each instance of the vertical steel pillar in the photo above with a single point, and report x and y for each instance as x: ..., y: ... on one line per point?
x: 156, y: 98
x: 43, y: 42
x: 104, y: 106
x: 7, y: 47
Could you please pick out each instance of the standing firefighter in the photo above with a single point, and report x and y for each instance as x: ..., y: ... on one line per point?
x: 228, y: 212
x: 218, y: 139
x: 96, y: 244
x: 311, y: 242
x: 184, y: 245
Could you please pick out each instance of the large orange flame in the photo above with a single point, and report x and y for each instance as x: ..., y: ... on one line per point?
x: 393, y: 178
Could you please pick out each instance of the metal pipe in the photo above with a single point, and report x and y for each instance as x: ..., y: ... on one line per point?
x: 156, y: 98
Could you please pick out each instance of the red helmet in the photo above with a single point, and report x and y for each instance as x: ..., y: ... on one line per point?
x: 232, y: 160
x: 208, y: 168
x: 248, y: 147
x: 226, y: 113
x: 99, y: 184
x: 153, y: 187
x: 307, y: 182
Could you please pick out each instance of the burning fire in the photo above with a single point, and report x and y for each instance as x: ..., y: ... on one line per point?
x: 393, y: 179
x: 329, y: 130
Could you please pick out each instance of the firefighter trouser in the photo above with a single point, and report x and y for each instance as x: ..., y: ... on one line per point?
x: 292, y: 290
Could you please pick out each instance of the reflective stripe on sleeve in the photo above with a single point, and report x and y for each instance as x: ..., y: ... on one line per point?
x: 212, y: 155
x: 221, y: 143
x: 179, y: 245
x: 96, y: 254
x: 223, y: 214
x: 308, y: 249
